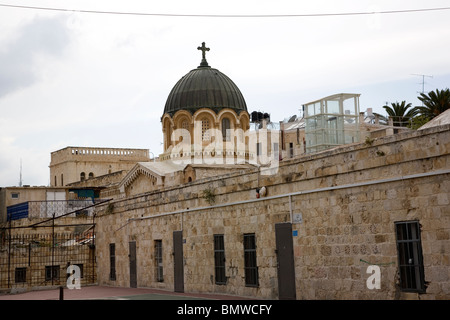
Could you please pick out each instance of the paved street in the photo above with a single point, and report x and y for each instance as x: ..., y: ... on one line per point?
x: 114, y: 293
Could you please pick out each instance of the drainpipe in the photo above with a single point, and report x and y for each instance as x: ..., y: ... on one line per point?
x: 290, y: 207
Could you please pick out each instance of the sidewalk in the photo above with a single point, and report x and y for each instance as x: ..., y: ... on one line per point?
x: 115, y: 293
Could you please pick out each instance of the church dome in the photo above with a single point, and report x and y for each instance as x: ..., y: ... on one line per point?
x: 205, y: 87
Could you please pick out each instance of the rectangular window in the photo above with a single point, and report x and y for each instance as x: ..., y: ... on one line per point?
x: 410, y: 259
x: 80, y: 265
x: 51, y: 273
x: 258, y: 148
x: 219, y: 259
x: 20, y: 275
x: 14, y: 195
x: 159, y: 261
x: 112, y: 261
x: 276, y: 152
x: 250, y: 267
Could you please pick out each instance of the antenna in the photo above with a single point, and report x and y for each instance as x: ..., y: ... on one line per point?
x: 423, y: 80
x: 20, y: 181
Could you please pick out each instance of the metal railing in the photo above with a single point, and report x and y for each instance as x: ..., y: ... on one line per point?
x: 50, y: 209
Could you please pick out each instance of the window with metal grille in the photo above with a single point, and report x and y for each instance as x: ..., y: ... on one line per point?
x: 112, y: 261
x: 250, y: 267
x: 185, y: 125
x: 219, y: 259
x: 159, y: 261
x: 276, y: 152
x: 51, y: 273
x: 226, y: 129
x: 410, y: 259
x: 80, y: 265
x: 20, y: 275
x: 258, y: 148
x: 205, y: 130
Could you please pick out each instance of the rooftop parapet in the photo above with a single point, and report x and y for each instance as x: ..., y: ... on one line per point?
x: 99, y: 154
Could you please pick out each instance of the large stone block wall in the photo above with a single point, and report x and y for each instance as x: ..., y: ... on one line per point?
x: 349, y: 199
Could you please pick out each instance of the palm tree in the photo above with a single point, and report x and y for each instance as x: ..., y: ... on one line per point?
x: 434, y: 103
x: 400, y: 113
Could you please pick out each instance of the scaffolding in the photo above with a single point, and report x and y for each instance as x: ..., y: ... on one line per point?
x: 331, y: 121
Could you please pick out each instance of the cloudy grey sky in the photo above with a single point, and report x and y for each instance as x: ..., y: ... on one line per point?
x: 71, y: 78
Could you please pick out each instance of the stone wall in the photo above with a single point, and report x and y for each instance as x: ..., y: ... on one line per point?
x: 348, y: 198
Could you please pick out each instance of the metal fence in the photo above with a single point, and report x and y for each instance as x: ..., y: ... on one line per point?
x: 49, y: 209
x: 34, y: 260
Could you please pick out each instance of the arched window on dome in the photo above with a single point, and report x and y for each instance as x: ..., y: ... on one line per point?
x: 185, y: 125
x: 226, y: 129
x: 206, y: 136
x: 82, y: 176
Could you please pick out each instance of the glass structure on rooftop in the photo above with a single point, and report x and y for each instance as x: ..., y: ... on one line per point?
x: 331, y: 121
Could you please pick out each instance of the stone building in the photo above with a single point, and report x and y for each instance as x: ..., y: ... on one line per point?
x: 77, y: 164
x: 324, y: 220
x: 219, y: 213
x: 368, y: 220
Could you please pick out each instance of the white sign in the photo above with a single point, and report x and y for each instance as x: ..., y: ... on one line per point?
x: 297, y: 218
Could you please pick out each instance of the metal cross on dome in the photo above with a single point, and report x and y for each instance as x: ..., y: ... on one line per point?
x: 203, y: 48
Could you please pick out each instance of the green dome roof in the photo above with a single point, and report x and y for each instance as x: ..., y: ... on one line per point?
x: 205, y: 87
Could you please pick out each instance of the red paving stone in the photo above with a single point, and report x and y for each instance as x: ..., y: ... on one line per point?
x: 102, y: 292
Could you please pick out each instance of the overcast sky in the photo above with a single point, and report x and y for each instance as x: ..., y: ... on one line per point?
x: 70, y: 78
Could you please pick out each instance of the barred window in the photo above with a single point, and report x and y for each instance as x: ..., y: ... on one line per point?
x: 112, y: 261
x: 159, y: 261
x: 51, y: 273
x: 410, y: 259
x: 80, y: 265
x: 20, y: 275
x: 185, y: 125
x: 250, y: 267
x: 226, y: 129
x: 219, y: 259
x: 205, y: 130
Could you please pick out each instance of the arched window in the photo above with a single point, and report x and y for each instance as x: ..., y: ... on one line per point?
x: 226, y: 129
x: 91, y: 175
x: 185, y: 125
x: 62, y: 179
x: 205, y: 130
x: 82, y: 176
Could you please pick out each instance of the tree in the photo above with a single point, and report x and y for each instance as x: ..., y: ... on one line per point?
x: 400, y: 114
x: 434, y: 103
